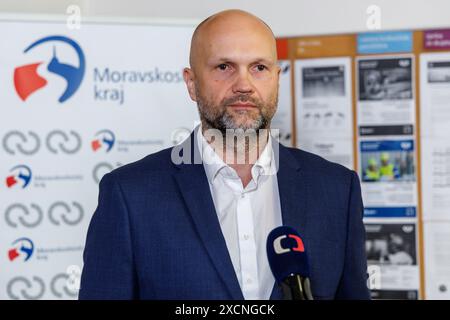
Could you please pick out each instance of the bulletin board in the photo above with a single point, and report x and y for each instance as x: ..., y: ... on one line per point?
x: 379, y: 103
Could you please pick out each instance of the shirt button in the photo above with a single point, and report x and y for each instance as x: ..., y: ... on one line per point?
x: 242, y: 195
x: 249, y: 281
x: 246, y: 237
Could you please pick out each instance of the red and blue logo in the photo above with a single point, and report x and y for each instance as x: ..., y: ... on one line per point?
x: 21, y: 250
x: 27, y: 80
x: 20, y: 175
x: 104, y: 139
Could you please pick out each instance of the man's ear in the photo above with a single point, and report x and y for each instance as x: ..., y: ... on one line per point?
x: 189, y: 78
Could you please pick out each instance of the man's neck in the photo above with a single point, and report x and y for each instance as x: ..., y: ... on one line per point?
x: 240, y: 155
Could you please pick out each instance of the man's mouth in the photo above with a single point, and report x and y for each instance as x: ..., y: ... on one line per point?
x: 242, y: 105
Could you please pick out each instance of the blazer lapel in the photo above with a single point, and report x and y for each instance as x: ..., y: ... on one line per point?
x: 194, y: 187
x: 292, y: 187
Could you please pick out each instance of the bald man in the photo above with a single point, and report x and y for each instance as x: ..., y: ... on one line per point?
x: 191, y: 222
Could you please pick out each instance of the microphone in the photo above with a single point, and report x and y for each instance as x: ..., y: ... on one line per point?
x: 289, y: 263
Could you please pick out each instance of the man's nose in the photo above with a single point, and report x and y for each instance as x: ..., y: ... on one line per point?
x: 243, y: 83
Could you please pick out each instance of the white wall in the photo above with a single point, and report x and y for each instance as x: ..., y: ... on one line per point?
x: 287, y: 17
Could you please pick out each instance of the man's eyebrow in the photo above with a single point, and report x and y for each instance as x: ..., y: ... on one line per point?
x: 265, y: 61
x: 233, y: 61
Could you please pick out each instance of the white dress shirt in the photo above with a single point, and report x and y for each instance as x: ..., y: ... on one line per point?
x: 246, y: 215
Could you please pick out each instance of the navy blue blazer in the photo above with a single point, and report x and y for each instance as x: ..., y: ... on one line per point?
x: 155, y: 233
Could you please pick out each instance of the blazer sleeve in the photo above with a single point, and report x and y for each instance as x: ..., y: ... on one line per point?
x: 108, y: 271
x: 353, y: 283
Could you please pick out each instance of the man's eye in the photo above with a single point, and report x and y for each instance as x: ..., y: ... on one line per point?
x: 222, y: 66
x: 261, y: 67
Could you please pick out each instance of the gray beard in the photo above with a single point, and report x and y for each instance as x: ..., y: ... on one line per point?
x: 226, y: 121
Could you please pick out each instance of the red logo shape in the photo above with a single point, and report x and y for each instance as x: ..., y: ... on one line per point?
x: 10, y: 181
x: 13, y: 254
x: 300, y: 247
x: 96, y: 145
x: 27, y: 81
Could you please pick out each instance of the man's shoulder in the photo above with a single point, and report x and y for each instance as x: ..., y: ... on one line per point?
x: 152, y: 164
x: 319, y: 165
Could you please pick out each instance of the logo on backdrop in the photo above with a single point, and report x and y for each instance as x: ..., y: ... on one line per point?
x: 24, y: 288
x: 20, y: 176
x: 19, y: 142
x: 60, y: 286
x: 29, y: 143
x: 27, y: 80
x: 103, y: 168
x: 104, y: 140
x: 19, y: 214
x: 21, y: 250
x: 59, y: 141
x: 59, y: 213
x: 62, y: 212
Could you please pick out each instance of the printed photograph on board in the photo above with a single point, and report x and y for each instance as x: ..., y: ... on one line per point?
x: 391, y: 244
x: 323, y: 81
x: 387, y: 160
x: 385, y: 79
x: 439, y: 72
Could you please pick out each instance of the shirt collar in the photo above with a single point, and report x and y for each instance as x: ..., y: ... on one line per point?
x: 213, y: 163
x: 210, y: 159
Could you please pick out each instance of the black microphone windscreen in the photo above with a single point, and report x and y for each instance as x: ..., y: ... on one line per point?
x: 286, y: 253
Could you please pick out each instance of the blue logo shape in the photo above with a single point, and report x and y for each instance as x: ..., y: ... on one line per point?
x: 21, y: 247
x: 106, y: 137
x: 22, y: 172
x: 73, y: 75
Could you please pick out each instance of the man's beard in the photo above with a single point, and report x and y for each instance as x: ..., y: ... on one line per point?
x: 220, y: 118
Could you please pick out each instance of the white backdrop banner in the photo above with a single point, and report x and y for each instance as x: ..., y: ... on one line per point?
x: 76, y: 104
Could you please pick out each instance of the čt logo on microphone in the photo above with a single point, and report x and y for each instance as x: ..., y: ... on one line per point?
x: 294, y: 245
